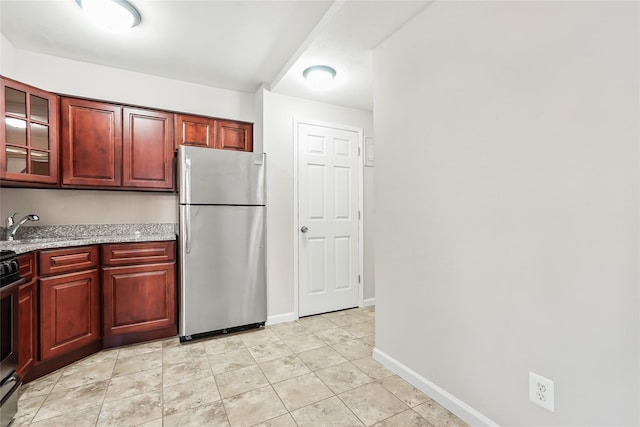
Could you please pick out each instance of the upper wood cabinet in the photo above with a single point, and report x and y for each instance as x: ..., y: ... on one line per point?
x: 234, y: 135
x: 29, y: 129
x: 147, y: 149
x: 213, y: 133
x: 91, y: 143
x: 194, y: 130
x: 60, y: 141
x: 109, y: 146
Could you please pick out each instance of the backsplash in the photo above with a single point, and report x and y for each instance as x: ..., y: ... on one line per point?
x: 86, y: 230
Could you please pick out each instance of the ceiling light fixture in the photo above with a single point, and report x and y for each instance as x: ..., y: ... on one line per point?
x: 113, y: 14
x: 319, y: 74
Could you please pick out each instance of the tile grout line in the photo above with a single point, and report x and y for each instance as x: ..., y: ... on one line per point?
x: 108, y: 385
x: 309, y: 333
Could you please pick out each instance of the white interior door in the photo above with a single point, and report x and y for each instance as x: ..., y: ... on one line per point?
x: 328, y: 222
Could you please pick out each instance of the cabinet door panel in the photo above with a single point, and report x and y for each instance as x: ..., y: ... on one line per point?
x: 91, y: 143
x: 194, y: 130
x: 69, y: 312
x: 234, y: 135
x: 27, y: 326
x: 147, y: 149
x: 29, y: 133
x: 138, y: 298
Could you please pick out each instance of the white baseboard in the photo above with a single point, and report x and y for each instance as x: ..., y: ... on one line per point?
x: 452, y: 403
x: 281, y: 318
x: 369, y: 302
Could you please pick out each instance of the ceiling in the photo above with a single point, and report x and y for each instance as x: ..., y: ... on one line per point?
x: 236, y: 45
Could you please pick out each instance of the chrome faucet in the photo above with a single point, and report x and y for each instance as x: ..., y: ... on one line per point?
x: 13, y: 226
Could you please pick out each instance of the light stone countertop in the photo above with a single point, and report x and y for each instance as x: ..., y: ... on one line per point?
x: 49, y: 237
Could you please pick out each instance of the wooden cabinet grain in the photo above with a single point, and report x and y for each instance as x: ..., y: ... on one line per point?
x: 91, y: 140
x: 58, y: 261
x: 139, y: 292
x: 69, y: 300
x: 147, y: 149
x: 29, y: 128
x: 194, y: 130
x: 208, y: 132
x: 27, y: 313
x: 110, y: 146
x: 232, y: 135
x: 27, y: 326
x: 69, y: 312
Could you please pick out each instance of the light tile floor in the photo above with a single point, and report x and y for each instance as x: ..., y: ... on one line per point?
x: 316, y: 371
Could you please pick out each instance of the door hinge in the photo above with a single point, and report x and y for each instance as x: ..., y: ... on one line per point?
x: 359, y: 278
x: 358, y: 151
x: 359, y: 215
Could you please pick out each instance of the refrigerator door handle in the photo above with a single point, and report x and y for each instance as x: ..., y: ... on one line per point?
x: 187, y: 228
x: 187, y: 179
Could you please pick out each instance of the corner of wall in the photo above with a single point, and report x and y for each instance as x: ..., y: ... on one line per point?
x: 446, y: 399
x: 7, y: 53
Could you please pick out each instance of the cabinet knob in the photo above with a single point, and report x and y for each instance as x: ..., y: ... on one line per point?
x: 304, y: 229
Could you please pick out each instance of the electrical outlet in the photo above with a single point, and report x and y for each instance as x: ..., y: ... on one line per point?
x: 541, y: 391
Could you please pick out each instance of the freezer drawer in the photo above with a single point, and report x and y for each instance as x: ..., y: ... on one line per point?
x: 222, y: 268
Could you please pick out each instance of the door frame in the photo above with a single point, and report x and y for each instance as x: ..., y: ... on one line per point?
x: 296, y: 201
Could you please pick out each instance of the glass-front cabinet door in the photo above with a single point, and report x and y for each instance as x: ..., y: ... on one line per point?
x: 29, y: 130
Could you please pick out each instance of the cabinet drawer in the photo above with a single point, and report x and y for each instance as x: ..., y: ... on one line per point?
x: 138, y: 253
x: 27, y: 265
x: 58, y: 261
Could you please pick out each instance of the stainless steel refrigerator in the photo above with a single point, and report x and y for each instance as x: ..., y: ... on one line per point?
x: 221, y: 239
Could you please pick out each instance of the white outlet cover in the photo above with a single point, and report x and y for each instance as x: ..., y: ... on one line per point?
x: 543, y: 398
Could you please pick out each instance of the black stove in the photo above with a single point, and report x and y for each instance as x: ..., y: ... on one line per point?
x: 9, y: 270
x: 10, y: 381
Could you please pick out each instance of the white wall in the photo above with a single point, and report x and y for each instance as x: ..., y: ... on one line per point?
x: 279, y: 113
x: 81, y: 79
x: 87, y: 80
x: 507, y: 217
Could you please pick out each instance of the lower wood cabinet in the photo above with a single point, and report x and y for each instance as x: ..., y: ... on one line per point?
x: 138, y: 292
x: 27, y: 313
x: 78, y: 300
x: 69, y: 312
x: 138, y: 300
x: 27, y: 326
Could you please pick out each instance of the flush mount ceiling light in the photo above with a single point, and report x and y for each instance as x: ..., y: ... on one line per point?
x: 319, y: 74
x: 112, y: 14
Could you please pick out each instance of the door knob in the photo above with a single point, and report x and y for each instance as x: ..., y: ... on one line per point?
x: 304, y: 229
